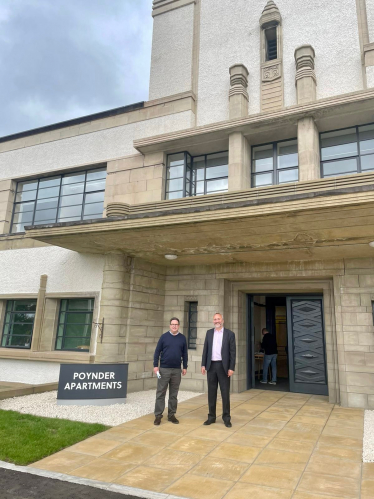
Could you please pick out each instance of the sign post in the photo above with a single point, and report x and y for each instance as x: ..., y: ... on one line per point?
x: 92, y: 384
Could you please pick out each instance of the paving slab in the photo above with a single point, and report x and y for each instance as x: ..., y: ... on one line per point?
x: 281, y: 445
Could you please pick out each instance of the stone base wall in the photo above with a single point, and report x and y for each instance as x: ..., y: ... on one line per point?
x: 139, y: 298
x: 354, y: 297
x: 132, y: 304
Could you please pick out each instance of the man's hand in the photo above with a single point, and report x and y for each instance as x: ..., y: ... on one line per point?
x: 184, y: 372
x: 203, y: 371
x: 230, y: 373
x: 155, y: 370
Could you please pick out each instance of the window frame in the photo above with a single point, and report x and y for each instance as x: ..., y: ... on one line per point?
x: 192, y: 182
x: 58, y: 323
x: 12, y: 313
x: 189, y: 327
x: 275, y: 170
x: 357, y: 157
x: 86, y: 171
x: 266, y: 39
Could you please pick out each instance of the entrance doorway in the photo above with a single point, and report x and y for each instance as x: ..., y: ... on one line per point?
x: 296, y: 322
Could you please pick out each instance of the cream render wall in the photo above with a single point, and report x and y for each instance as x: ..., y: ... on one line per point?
x: 171, y: 64
x: 93, y: 147
x: 29, y: 371
x: 370, y: 17
x: 67, y: 271
x: 230, y: 34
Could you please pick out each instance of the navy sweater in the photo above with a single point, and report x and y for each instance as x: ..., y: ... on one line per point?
x: 172, y: 350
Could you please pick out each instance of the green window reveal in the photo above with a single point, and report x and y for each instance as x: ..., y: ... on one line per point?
x: 75, y: 324
x: 18, y: 323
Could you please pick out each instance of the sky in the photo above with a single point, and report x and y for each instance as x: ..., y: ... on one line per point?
x: 61, y: 59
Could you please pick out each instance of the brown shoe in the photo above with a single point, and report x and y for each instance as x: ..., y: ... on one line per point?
x: 157, y: 421
x: 173, y: 419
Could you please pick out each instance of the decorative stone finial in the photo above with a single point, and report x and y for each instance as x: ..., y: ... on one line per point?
x: 270, y: 15
x: 238, y: 95
x: 306, y: 80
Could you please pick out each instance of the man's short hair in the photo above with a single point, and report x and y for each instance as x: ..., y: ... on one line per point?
x: 175, y: 319
x: 264, y: 329
x: 218, y: 313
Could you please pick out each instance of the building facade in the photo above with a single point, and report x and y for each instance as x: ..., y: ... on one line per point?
x: 243, y: 185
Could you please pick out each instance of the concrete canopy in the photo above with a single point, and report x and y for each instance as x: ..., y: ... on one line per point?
x: 325, y: 219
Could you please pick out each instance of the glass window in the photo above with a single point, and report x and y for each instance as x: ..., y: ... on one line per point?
x: 62, y: 198
x: 335, y: 145
x: 195, y: 176
x: 75, y: 324
x: 18, y: 323
x: 276, y: 163
x: 271, y: 43
x: 347, y: 151
x: 192, y: 324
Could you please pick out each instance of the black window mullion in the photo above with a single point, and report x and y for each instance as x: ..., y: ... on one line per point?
x: 14, y: 207
x: 359, y: 151
x: 205, y: 182
x: 84, y: 194
x: 275, y: 164
x: 59, y: 198
x: 36, y: 201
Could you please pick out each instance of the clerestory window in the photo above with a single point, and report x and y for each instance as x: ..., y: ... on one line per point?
x: 59, y: 198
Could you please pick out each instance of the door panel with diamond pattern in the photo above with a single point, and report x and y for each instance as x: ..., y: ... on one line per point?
x: 306, y: 345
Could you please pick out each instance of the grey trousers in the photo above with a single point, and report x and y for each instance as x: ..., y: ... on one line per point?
x: 171, y: 378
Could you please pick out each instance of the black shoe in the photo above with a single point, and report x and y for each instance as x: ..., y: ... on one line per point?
x: 228, y: 424
x: 157, y: 420
x: 173, y: 419
x: 209, y: 421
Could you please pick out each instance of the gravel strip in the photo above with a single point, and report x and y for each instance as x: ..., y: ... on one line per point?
x: 44, y: 404
x: 368, y: 450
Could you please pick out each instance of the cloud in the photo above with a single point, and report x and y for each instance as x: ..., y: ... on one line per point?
x: 63, y: 59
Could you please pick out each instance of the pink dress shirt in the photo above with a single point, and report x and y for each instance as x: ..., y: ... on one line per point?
x: 217, y: 344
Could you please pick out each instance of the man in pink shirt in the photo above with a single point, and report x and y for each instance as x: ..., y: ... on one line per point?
x: 219, y: 356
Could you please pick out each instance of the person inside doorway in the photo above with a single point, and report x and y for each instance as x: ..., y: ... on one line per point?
x: 269, y: 345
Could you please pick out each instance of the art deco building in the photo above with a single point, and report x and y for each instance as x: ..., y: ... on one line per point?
x: 245, y: 184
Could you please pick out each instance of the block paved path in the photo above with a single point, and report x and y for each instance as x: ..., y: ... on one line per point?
x: 281, y: 446
x: 18, y: 485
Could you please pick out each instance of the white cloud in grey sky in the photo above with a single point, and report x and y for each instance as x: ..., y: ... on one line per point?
x: 61, y: 59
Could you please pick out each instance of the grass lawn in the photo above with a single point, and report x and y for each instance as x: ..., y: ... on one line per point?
x: 25, y: 439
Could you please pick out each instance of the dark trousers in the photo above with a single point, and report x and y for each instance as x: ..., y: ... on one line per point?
x: 217, y: 375
x: 170, y: 378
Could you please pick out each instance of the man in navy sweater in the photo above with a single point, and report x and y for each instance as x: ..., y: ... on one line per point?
x: 171, y: 350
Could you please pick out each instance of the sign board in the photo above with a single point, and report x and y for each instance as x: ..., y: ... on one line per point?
x: 92, y: 384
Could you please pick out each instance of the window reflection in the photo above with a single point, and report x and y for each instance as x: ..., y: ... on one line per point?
x: 195, y: 176
x: 275, y: 163
x: 347, y: 151
x: 60, y: 198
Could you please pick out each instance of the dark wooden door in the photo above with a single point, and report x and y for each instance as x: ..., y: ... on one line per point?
x: 306, y: 345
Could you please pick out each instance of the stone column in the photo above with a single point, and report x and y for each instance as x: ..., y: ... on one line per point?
x: 306, y: 81
x: 39, y: 313
x: 308, y: 146
x: 114, y: 308
x: 239, y: 162
x: 307, y: 132
x: 238, y: 95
